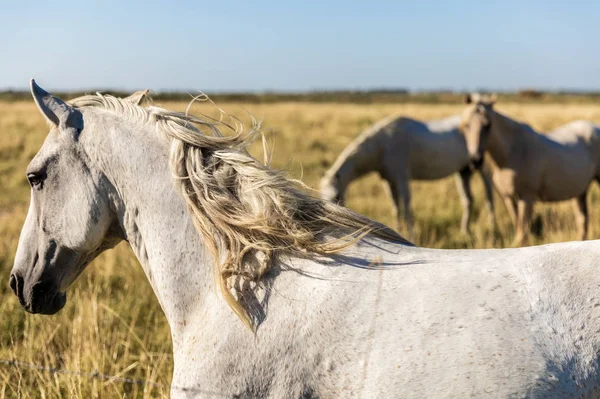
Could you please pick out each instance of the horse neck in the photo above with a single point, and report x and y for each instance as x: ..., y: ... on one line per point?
x: 153, y: 217
x: 356, y: 160
x: 504, y: 136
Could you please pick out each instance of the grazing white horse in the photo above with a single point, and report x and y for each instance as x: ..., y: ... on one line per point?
x: 329, y: 315
x: 528, y: 166
x: 401, y: 149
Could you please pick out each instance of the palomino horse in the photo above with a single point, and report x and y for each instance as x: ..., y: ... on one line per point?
x: 401, y: 149
x: 528, y: 166
x: 326, y: 303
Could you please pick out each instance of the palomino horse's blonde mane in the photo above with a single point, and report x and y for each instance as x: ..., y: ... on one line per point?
x: 239, y: 205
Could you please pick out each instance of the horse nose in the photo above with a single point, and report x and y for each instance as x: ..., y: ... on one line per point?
x: 16, y: 284
x: 12, y: 282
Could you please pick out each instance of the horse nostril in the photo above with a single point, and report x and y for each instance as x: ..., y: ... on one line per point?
x: 17, y: 283
x: 13, y: 283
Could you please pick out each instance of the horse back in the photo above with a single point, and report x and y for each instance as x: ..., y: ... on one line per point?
x: 409, y: 148
x: 483, y: 323
x: 437, y: 150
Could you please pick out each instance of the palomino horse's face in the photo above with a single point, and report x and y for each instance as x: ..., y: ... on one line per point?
x: 475, y: 125
x: 331, y: 191
x: 69, y: 221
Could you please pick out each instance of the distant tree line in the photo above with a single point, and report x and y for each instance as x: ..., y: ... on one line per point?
x: 381, y: 95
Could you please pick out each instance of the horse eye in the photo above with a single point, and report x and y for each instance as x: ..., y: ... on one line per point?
x: 35, y: 180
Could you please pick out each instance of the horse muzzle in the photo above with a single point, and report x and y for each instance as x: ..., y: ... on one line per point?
x: 42, y: 297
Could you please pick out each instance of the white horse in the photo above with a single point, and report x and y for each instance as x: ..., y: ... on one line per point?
x: 528, y: 166
x: 330, y: 315
x: 401, y: 149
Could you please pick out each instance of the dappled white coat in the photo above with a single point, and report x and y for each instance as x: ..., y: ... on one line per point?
x: 379, y: 320
x: 424, y: 323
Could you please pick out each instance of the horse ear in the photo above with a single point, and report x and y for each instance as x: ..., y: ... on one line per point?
x: 493, y: 99
x: 56, y: 111
x: 139, y: 97
x: 468, y: 98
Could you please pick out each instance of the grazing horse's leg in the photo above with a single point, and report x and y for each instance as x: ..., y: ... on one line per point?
x: 463, y: 179
x: 400, y: 191
x: 489, y: 197
x: 525, y: 206
x: 408, y: 217
x: 581, y: 215
x: 511, y: 208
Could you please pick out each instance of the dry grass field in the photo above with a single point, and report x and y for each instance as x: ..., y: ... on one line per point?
x: 112, y: 323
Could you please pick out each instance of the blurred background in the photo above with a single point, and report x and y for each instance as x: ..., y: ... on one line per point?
x: 317, y: 74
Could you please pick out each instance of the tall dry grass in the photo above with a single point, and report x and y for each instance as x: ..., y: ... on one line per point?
x: 112, y: 322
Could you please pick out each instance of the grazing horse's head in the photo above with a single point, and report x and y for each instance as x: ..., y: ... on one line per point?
x: 331, y: 190
x: 70, y: 219
x: 475, y: 125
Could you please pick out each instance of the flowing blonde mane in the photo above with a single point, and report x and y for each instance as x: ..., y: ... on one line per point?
x: 240, y: 206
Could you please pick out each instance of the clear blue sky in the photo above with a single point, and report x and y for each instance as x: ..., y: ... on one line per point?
x: 270, y: 45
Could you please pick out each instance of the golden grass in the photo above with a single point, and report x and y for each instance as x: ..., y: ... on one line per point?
x: 112, y: 322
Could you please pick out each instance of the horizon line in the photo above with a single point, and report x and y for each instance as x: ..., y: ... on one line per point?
x: 374, y: 89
